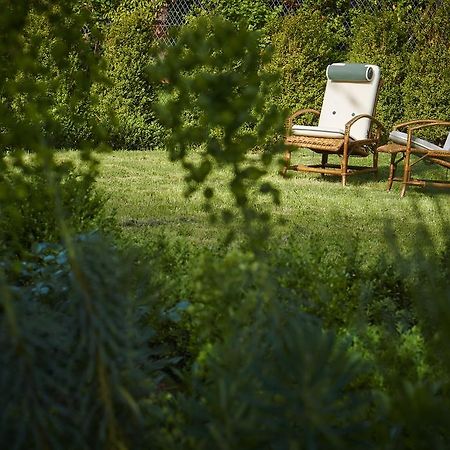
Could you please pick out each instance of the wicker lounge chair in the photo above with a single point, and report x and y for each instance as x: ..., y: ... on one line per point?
x: 404, y: 145
x: 346, y: 124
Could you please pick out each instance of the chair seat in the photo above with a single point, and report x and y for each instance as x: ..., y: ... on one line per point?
x: 392, y: 148
x: 333, y: 144
x: 317, y: 131
x: 402, y: 138
x: 326, y: 144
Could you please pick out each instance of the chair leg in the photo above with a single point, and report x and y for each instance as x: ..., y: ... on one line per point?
x: 392, y: 169
x: 344, y: 166
x: 324, y: 162
x: 375, y: 164
x: 287, y: 162
x: 406, y: 174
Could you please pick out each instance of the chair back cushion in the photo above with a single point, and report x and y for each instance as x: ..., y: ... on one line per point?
x: 447, y: 143
x: 402, y: 138
x: 346, y: 99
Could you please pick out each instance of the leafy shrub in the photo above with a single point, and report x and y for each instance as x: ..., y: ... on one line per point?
x: 39, y: 196
x: 251, y: 335
x: 412, y: 51
x: 304, y: 44
x: 216, y: 305
x: 371, y: 304
x: 57, y: 67
x: 127, y: 43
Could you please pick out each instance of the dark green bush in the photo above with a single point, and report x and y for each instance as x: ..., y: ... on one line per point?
x: 304, y: 44
x: 371, y: 303
x: 40, y: 197
x: 127, y: 43
x: 68, y: 121
x: 256, y: 352
x: 411, y: 47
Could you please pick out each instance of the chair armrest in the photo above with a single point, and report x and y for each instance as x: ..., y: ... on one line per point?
x: 434, y: 123
x: 349, y: 124
x: 297, y: 113
x: 413, y: 122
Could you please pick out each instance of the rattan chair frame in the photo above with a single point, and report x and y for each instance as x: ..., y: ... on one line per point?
x: 399, y: 153
x: 343, y: 147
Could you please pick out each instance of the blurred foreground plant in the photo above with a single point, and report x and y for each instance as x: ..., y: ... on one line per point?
x: 77, y: 361
x: 216, y: 112
x: 30, y: 108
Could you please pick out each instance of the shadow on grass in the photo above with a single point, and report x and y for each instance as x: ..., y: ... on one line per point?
x: 137, y: 223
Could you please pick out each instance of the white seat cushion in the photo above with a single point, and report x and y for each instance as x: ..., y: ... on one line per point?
x: 303, y: 130
x: 401, y: 138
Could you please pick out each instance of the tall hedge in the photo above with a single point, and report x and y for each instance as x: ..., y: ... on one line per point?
x: 382, y: 39
x: 127, y: 45
x: 426, y: 89
x: 68, y: 121
x: 304, y: 44
x: 256, y: 13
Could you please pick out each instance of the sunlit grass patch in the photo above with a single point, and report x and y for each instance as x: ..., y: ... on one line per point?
x: 147, y: 192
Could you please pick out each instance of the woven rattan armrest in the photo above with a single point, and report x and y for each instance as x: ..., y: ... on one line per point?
x: 297, y: 113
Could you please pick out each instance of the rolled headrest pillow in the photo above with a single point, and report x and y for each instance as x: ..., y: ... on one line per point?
x: 362, y: 73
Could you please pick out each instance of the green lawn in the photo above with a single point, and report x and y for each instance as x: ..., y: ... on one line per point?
x: 146, y: 190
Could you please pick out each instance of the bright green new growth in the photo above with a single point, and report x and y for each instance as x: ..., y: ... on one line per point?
x: 216, y: 101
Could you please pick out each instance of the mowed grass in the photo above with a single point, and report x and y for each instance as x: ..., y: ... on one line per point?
x: 147, y: 192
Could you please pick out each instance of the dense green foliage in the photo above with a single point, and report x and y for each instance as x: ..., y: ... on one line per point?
x: 75, y: 348
x: 37, y: 202
x: 41, y: 197
x: 254, y: 14
x: 278, y: 345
